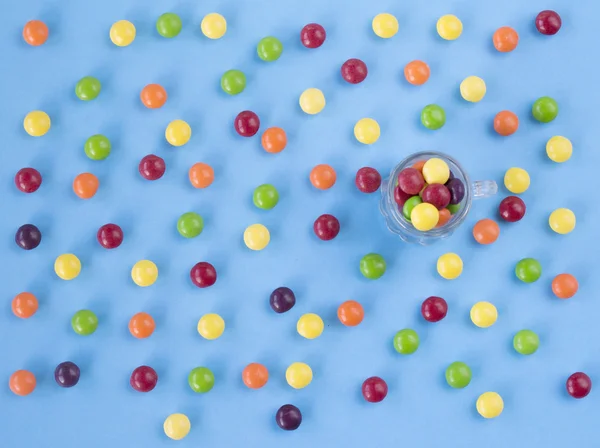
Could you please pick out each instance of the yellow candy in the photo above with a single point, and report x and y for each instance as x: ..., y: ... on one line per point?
x: 484, y: 314
x: 144, y: 273
x: 562, y: 220
x: 516, y: 180
x: 312, y: 101
x: 472, y: 89
x: 490, y: 405
x: 449, y: 266
x: 449, y: 27
x: 178, y: 133
x: 366, y: 131
x: 213, y: 25
x: 122, y: 33
x: 298, y: 375
x: 385, y: 25
x: 67, y: 266
x: 424, y: 216
x: 436, y: 171
x: 559, y: 149
x: 256, y: 237
x: 36, y: 123
x: 177, y: 426
x: 211, y: 326
x: 310, y: 326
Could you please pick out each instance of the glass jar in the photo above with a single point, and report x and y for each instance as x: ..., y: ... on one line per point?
x: 398, y: 224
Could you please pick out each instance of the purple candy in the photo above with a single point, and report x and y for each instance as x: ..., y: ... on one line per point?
x: 28, y: 237
x: 457, y: 190
x: 282, y: 299
x: 288, y: 417
x: 67, y: 374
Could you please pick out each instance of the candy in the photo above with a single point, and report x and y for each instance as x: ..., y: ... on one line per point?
x: 28, y: 237
x: 434, y: 309
x: 400, y: 197
x: 385, y: 25
x: 22, y: 382
x: 233, y: 82
x: 141, y: 325
x: 310, y: 326
x: 445, y: 216
x: 374, y: 389
x: 409, y: 206
x: 312, y: 35
x: 486, y: 231
x: 433, y: 117
x: 265, y: 197
x: 24, y: 305
x: 246, y: 123
x: 152, y: 167
x: 28, y: 180
x: 322, y: 177
x: 168, y: 25
x: 512, y: 209
x: 516, y: 180
x: 436, y: 171
x: 178, y: 133
x: 97, y: 147
x: 406, y: 341
x: 505, y: 39
x: 282, y: 299
x: 526, y: 342
x: 255, y: 375
x: 562, y: 220
x: 67, y: 266
x: 326, y: 227
x: 274, y: 140
x: 416, y: 72
x: 201, y: 380
x: 153, y: 96
x: 449, y: 27
x: 35, y: 33
x: 453, y: 208
x: 177, y: 426
x: 36, y: 123
x: 548, y: 22
x: 424, y: 216
x: 88, y: 88
x: 564, y: 286
x: 354, y: 71
x: 490, y: 405
x: 269, y: 49
x: 458, y: 375
x: 544, y: 109
x: 506, y: 123
x: 67, y: 374
x: 143, y: 379
x: 456, y: 187
x: 288, y: 417
x: 449, y: 266
x: 213, y: 25
x: 203, y: 274
x: 559, y: 149
x: 350, y: 313
x: 256, y: 237
x: 298, y: 375
x: 579, y: 385
x: 472, y: 89
x: 528, y: 270
x: 190, y: 225
x: 372, y: 266
x: 84, y: 322
x: 201, y: 175
x: 85, y: 185
x: 367, y: 180
x: 367, y: 131
x: 410, y: 181
x: 211, y: 326
x: 144, y: 273
x: 312, y: 101
x: 122, y: 33
x: 436, y: 194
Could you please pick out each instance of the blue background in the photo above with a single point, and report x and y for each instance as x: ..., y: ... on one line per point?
x: 420, y: 410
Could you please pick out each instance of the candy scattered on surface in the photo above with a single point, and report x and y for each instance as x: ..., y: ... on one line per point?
x: 255, y: 375
x: 282, y: 299
x: 436, y: 171
x: 434, y: 309
x: 85, y: 185
x: 153, y: 96
x: 141, y: 325
x: 213, y: 25
x: 67, y: 266
x: 564, y: 286
x: 372, y: 266
x: 22, y: 382
x: 385, y: 25
x: 178, y: 133
x: 122, y: 33
x: 449, y: 266
x: 84, y: 322
x: 256, y: 237
x: 458, y: 375
x: 299, y: 375
x: 28, y: 180
x: 201, y: 380
x: 449, y: 27
x: 144, y: 273
x: 559, y: 149
x: 190, y: 225
x: 274, y: 140
x: 354, y: 71
x: 350, y: 313
x: 28, y: 237
x: 374, y: 389
x: 233, y: 82
x: 424, y: 216
x: 269, y: 49
x: 417, y: 72
x: 484, y: 314
x: 177, y: 426
x: 152, y: 167
x: 562, y: 221
x: 545, y: 109
x: 97, y: 147
x: 211, y: 326
x: 473, y: 89
x: 433, y: 117
x: 312, y: 101
x: 288, y: 417
x: 246, y: 123
x: 326, y: 227
x: 367, y: 180
x: 265, y: 197
x: 88, y: 88
x: 310, y: 326
x: 579, y: 385
x: 312, y: 35
x: 67, y: 374
x: 516, y: 180
x: 35, y: 33
x: 168, y: 25
x: 526, y: 342
x: 406, y: 341
x: 110, y: 236
x: 201, y: 175
x: 490, y: 405
x: 24, y: 305
x: 512, y: 209
x: 322, y: 177
x: 486, y: 231
x: 203, y: 274
x: 36, y: 123
x: 505, y: 39
x: 506, y: 123
x: 528, y: 270
x: 548, y: 22
x: 143, y: 379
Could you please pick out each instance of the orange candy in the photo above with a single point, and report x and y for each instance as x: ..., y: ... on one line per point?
x: 201, y: 175
x: 564, y: 286
x: 274, y: 140
x: 322, y: 177
x: 85, y: 185
x: 153, y: 96
x: 255, y: 375
x: 351, y: 313
x: 35, y: 33
x: 445, y: 216
x: 141, y: 325
x: 22, y: 382
x: 419, y: 165
x: 24, y: 305
x: 505, y: 39
x: 486, y: 231
x: 506, y: 123
x: 416, y: 72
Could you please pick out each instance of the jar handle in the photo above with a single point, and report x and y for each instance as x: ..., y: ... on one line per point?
x: 484, y: 188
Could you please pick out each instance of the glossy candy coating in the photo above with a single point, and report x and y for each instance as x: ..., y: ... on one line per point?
x: 350, y: 313
x: 67, y: 266
x: 153, y: 96
x: 201, y: 175
x: 143, y: 379
x: 22, y: 382
x: 110, y: 236
x: 486, y: 231
x: 406, y: 341
x: 233, y: 82
x: 178, y: 133
x: 374, y: 389
x: 24, y: 305
x: 473, y: 89
x: 84, y: 322
x: 490, y: 405
x: 28, y: 237
x: 528, y: 270
x: 484, y: 314
x: 512, y: 209
x: 436, y: 171
x: 310, y: 326
x: 213, y: 25
x: 256, y: 237
x: 326, y: 227
x: 168, y: 25
x: 545, y: 109
x: 367, y: 131
x: 299, y: 375
x: 282, y: 299
x: 400, y: 197
x: 85, y: 185
x: 269, y: 49
x: 424, y: 216
x: 433, y: 117
x: 559, y: 149
x: 177, y: 426
x: 506, y: 123
x: 564, y: 286
x: 288, y: 417
x: 505, y: 39
x: 312, y: 101
x: 67, y: 374
x: 434, y: 309
x: 246, y: 123
x: 385, y: 25
x: 152, y: 167
x: 445, y: 216
x: 122, y: 33
x: 410, y: 181
x: 409, y: 206
x: 367, y: 180
x: 449, y: 266
x: 255, y: 375
x: 453, y: 208
x: 322, y: 177
x: 417, y: 72
x: 548, y: 22
x: 274, y: 140
x: 88, y: 88
x: 457, y: 191
x: 562, y: 221
x: 372, y: 266
x: 458, y: 375
x: 144, y: 273
x: 265, y: 197
x: 436, y: 194
x: 97, y: 147
x: 211, y: 326
x: 36, y: 123
x: 449, y: 27
x: 579, y: 385
x: 28, y: 180
x: 201, y: 380
x: 516, y: 180
x: 35, y: 33
x: 312, y: 35
x: 190, y: 225
x: 141, y: 325
x: 203, y: 274
x: 354, y: 71
x: 526, y: 342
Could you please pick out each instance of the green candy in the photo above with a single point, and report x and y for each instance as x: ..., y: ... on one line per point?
x: 526, y: 342
x: 545, y: 109
x: 97, y: 147
x: 265, y: 197
x: 84, y: 322
x: 190, y: 225
x: 88, y: 88
x: 201, y: 380
x: 453, y: 208
x: 269, y: 49
x: 406, y: 341
x: 372, y: 266
x: 528, y: 270
x: 458, y: 375
x: 168, y: 25
x: 433, y: 117
x: 233, y: 82
x: 409, y: 205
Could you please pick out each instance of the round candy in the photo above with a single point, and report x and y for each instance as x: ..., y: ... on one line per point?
x: 410, y: 181
x: 559, y: 149
x: 84, y: 322
x: 400, y: 197
x: 269, y: 48
x: 545, y: 109
x: 97, y: 147
x: 409, y: 205
x: 528, y: 270
x: 233, y: 82
x: 437, y: 195
x: 168, y: 25
x: 143, y: 379
x: 326, y: 227
x: 322, y: 177
x: 246, y: 123
x: 67, y: 374
x: 298, y: 375
x: 310, y: 326
x: 516, y: 180
x: 472, y: 89
x: 436, y: 171
x: 374, y: 389
x: 178, y: 133
x: 486, y: 231
x: 141, y: 325
x: 458, y: 375
x: 28, y: 237
x: 449, y: 266
x: 424, y: 216
x: 445, y: 216
x: 153, y: 96
x: 562, y: 220
x: 453, y: 208
x: 490, y: 405
x: 506, y: 123
x: 351, y: 313
x: 152, y: 167
x: 35, y: 33
x: 211, y: 326
x: 24, y: 305
x: 203, y: 274
x: 122, y: 33
x: 367, y: 131
x: 564, y: 286
x: 177, y: 426
x: 312, y: 35
x: 526, y: 342
x: 36, y: 123
x: 433, y: 117
x: 255, y: 375
x: 274, y: 140
x: 190, y: 225
x: 449, y: 27
x: 88, y: 88
x: 354, y: 71
x: 434, y: 309
x: 213, y: 25
x: 548, y: 22
x: 505, y: 39
x: 22, y: 382
x: 312, y: 101
x: 201, y: 380
x: 201, y: 175
x: 579, y: 385
x: 385, y: 25
x: 288, y: 417
x: 28, y: 180
x: 457, y: 192
x: 67, y: 266
x: 85, y: 185
x: 282, y: 299
x: 256, y: 237
x: 406, y: 341
x: 265, y: 197
x: 367, y: 180
x: 416, y: 72
x: 372, y: 266
x: 144, y: 273
x: 512, y: 209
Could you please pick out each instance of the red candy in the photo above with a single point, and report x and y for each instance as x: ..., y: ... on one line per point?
x: 313, y: 35
x: 368, y: 180
x: 246, y: 123
x: 152, y: 167
x: 203, y: 274
x: 437, y: 195
x: 374, y: 389
x: 110, y: 236
x: 326, y: 227
x: 411, y: 181
x: 548, y: 22
x: 143, y: 379
x: 354, y: 71
x: 579, y: 385
x: 28, y: 180
x: 401, y: 197
x: 512, y: 209
x: 434, y: 309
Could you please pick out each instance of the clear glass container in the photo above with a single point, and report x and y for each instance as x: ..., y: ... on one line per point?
x: 398, y: 224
